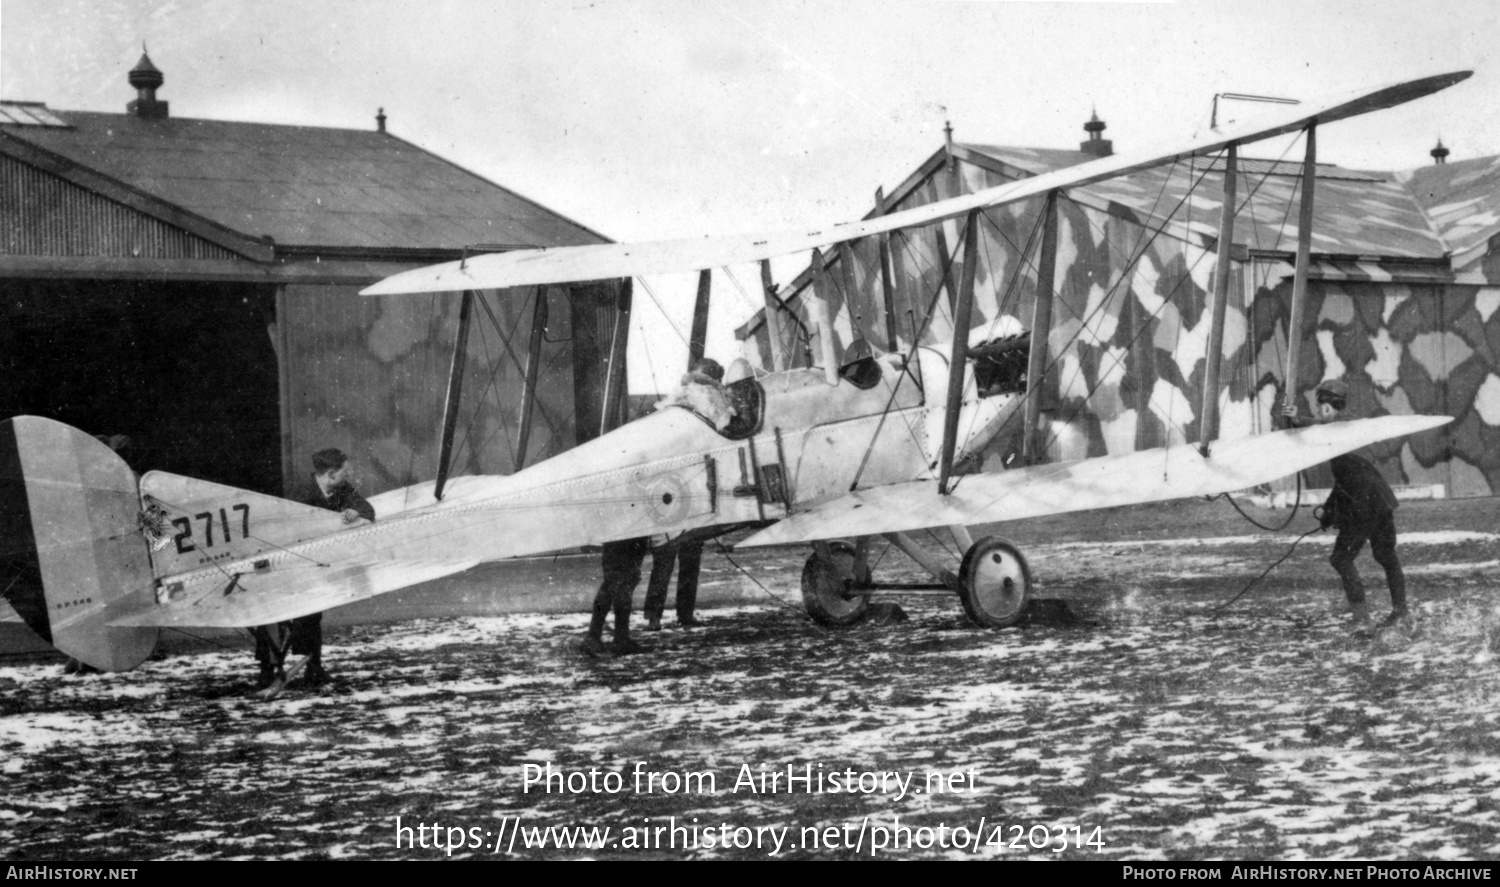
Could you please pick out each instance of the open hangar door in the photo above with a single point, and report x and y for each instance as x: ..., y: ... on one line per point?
x: 187, y: 371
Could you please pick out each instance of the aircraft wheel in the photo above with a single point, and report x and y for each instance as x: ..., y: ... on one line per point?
x: 823, y: 586
x: 995, y: 583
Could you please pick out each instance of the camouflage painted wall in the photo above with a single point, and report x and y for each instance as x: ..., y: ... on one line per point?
x: 1130, y: 333
x: 1126, y: 352
x: 369, y: 375
x: 1403, y: 348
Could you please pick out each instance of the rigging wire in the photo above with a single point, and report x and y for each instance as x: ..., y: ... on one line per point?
x: 1087, y: 318
x: 744, y: 295
x: 505, y: 339
x: 179, y: 509
x: 1138, y: 252
x: 1143, y: 243
x: 479, y: 402
x: 206, y: 639
x: 800, y: 611
x: 906, y: 371
x: 651, y: 294
x: 650, y: 364
x: 1003, y: 297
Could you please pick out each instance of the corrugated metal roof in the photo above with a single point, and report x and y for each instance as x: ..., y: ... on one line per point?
x: 1364, y: 214
x: 305, y: 186
x: 1254, y: 166
x: 1462, y: 198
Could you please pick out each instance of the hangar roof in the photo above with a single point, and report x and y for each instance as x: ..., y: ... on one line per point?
x: 1462, y: 198
x: 1356, y: 213
x: 301, y: 186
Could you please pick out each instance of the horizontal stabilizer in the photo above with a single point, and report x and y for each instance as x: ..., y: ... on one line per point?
x: 1155, y: 475
x: 611, y: 260
x: 209, y: 523
x: 239, y: 600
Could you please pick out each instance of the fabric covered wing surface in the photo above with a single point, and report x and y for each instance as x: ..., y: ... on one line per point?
x: 1154, y: 475
x: 577, y: 263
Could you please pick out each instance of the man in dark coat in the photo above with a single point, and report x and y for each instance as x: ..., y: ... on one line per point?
x: 1362, y: 506
x: 686, y: 553
x: 622, y: 572
x: 331, y: 488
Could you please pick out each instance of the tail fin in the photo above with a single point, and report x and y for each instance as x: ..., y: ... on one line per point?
x: 74, y: 557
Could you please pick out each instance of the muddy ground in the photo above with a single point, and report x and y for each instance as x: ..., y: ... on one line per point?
x: 1157, y: 726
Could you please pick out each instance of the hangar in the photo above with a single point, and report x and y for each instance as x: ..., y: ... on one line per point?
x: 1403, y: 298
x: 190, y: 286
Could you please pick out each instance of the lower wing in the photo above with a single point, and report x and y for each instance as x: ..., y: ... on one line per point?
x: 1155, y: 475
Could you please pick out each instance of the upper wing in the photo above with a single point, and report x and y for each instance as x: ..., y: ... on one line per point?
x: 577, y: 263
x: 230, y: 600
x: 1153, y: 475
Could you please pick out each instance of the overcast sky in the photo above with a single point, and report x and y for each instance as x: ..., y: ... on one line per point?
x: 646, y: 120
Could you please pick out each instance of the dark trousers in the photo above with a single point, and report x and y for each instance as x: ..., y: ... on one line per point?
x: 687, y: 555
x: 622, y: 572
x: 302, y: 636
x: 270, y: 645
x: 307, y: 637
x: 1380, y: 532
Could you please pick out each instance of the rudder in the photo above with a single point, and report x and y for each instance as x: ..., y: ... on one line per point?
x: 75, y: 557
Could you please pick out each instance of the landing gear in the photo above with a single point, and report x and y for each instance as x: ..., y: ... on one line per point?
x: 994, y: 583
x: 827, y: 581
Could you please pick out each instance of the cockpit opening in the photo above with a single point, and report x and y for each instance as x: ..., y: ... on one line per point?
x: 859, y: 366
x: 748, y: 399
x: 1000, y: 364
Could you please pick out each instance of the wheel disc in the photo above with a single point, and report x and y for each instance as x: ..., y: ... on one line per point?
x: 824, y: 584
x: 996, y: 583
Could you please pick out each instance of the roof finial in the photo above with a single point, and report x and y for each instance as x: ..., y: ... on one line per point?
x: 1096, y: 145
x: 1439, y: 154
x: 380, y: 120
x: 145, y: 78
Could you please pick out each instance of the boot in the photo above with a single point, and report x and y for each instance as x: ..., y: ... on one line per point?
x: 267, y: 676
x: 316, y: 675
x: 1361, y: 612
x: 626, y: 647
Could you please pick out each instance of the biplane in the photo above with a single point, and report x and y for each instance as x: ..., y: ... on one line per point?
x: 875, y: 442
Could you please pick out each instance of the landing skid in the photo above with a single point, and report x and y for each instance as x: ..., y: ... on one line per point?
x: 282, y: 679
x: 275, y: 641
x: 993, y: 583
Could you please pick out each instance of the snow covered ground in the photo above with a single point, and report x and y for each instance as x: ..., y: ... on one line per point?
x: 1161, y: 728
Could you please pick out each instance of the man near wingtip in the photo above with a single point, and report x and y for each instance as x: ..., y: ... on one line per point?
x: 1361, y: 505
